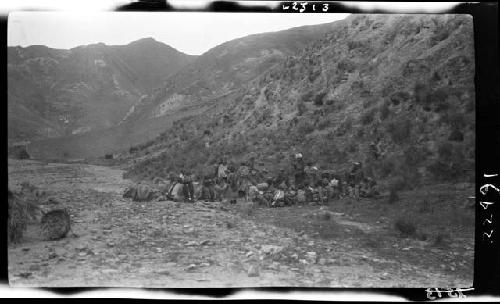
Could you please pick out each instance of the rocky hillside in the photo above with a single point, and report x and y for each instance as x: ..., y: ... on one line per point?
x: 55, y: 92
x: 197, y: 88
x: 393, y: 91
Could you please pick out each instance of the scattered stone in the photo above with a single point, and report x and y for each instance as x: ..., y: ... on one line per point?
x: 191, y: 267
x: 25, y: 249
x: 205, y: 242
x: 111, y: 244
x: 34, y: 267
x: 248, y: 254
x: 163, y: 272
x: 253, y: 271
x: 192, y: 243
x: 25, y: 274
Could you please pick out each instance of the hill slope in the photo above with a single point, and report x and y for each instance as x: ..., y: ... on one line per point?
x: 201, y: 85
x: 54, y: 92
x: 395, y: 92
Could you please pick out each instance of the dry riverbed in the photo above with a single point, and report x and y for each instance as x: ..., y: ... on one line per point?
x: 118, y: 242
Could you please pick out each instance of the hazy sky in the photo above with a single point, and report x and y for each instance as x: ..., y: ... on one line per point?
x: 189, y: 32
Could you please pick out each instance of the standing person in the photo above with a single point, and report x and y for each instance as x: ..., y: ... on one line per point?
x: 243, y: 179
x: 222, y: 170
x: 187, y: 181
x: 298, y: 169
x: 355, y: 177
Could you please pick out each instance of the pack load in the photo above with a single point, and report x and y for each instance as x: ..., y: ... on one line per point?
x: 262, y: 186
x: 140, y: 193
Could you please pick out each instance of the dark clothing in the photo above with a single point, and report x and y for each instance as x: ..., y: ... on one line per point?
x: 299, y: 173
x: 188, y: 188
x: 300, y: 179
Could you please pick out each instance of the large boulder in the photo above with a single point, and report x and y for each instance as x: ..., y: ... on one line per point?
x: 55, y: 224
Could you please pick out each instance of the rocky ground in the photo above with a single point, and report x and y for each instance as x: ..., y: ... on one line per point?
x: 117, y: 242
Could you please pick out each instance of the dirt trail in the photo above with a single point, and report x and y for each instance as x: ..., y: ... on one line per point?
x: 166, y: 244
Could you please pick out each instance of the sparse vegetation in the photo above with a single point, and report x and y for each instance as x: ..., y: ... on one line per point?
x: 406, y: 227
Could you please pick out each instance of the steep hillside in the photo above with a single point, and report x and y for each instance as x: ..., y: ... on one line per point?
x: 200, y: 86
x: 54, y: 92
x: 393, y: 91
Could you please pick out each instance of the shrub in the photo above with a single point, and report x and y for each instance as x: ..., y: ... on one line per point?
x: 399, y: 130
x: 414, y: 155
x: 421, y: 93
x: 307, y: 96
x: 301, y: 108
x: 367, y: 117
x: 425, y: 206
x: 385, y: 167
x: 20, y: 210
x: 305, y: 127
x: 400, y: 97
x: 393, y: 196
x: 384, y: 111
x: 318, y: 99
x: 455, y: 120
x: 456, y: 135
x: 406, y: 227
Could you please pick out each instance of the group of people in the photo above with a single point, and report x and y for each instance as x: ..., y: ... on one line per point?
x: 303, y: 183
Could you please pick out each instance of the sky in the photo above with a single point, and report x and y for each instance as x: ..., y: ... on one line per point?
x: 190, y: 32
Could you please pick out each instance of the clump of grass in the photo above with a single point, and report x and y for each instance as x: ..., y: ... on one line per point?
x: 425, y: 206
x: 440, y: 240
x: 21, y: 210
x: 406, y: 227
x: 393, y: 196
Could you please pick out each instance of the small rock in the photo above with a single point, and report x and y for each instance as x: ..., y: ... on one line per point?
x: 302, y: 261
x: 205, y: 242
x: 159, y: 250
x: 52, y: 256
x: 205, y: 264
x: 248, y: 254
x: 322, y: 261
x: 25, y: 274
x: 34, y: 267
x: 253, y: 271
x: 83, y: 253
x: 192, y: 243
x: 25, y: 249
x: 111, y: 244
x: 171, y: 264
x: 191, y: 267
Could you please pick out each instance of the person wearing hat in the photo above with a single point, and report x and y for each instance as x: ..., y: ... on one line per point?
x: 298, y: 169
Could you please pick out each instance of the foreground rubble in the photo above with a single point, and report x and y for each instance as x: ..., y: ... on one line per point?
x: 118, y: 242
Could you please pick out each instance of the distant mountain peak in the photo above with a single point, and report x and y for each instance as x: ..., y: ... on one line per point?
x: 147, y: 40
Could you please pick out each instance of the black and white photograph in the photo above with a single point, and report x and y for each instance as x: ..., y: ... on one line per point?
x: 213, y: 149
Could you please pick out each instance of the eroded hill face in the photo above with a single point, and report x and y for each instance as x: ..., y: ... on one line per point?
x: 54, y: 92
x: 195, y: 89
x: 395, y: 92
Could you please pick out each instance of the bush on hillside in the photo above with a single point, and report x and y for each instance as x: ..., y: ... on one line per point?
x: 318, y: 99
x: 368, y: 116
x: 301, y: 108
x: 384, y: 111
x: 399, y: 130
